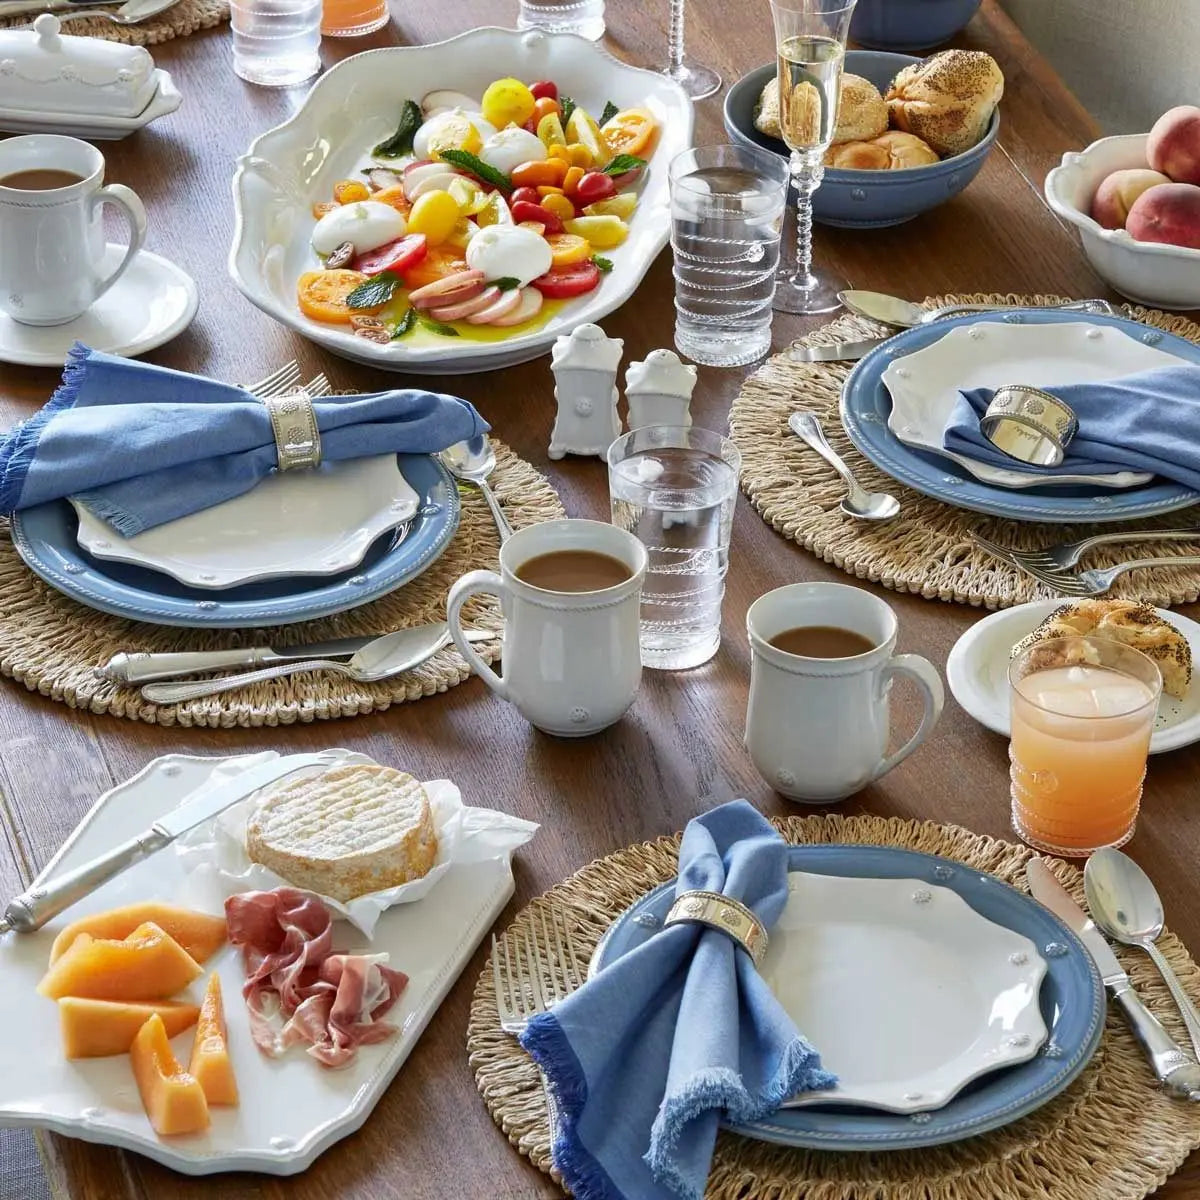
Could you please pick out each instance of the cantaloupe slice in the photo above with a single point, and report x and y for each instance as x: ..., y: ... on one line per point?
x: 210, y: 1063
x: 198, y: 933
x: 147, y: 965
x: 173, y: 1100
x: 95, y: 1028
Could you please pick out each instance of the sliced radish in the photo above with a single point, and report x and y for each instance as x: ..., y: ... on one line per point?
x: 456, y: 312
x: 429, y: 183
x: 501, y: 307
x: 448, y: 285
x: 423, y: 170
x: 530, y: 306
x: 438, y: 101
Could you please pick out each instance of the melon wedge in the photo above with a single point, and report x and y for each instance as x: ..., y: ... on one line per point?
x: 147, y: 965
x: 173, y: 1100
x: 95, y: 1028
x: 210, y: 1063
x: 198, y: 933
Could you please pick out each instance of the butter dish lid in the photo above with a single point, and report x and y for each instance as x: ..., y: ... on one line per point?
x: 43, y: 70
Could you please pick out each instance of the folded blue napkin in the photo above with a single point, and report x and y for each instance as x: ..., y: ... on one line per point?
x: 1149, y: 421
x: 140, y: 445
x: 648, y: 1056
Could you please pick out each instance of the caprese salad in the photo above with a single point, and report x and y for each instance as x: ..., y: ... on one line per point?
x: 474, y: 213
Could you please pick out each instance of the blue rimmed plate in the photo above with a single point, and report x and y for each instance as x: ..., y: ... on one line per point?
x: 1071, y: 999
x: 866, y: 407
x: 45, y: 538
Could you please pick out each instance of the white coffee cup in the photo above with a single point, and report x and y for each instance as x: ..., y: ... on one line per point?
x: 817, y: 728
x: 52, y: 240
x: 572, y: 663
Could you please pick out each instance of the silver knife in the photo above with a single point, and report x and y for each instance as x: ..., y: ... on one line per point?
x: 838, y: 352
x: 43, y: 900
x: 1176, y: 1071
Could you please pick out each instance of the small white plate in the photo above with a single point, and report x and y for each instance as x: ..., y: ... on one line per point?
x: 977, y: 671
x: 924, y: 385
x: 961, y: 991
x: 318, y: 522
x: 150, y: 304
x: 97, y: 127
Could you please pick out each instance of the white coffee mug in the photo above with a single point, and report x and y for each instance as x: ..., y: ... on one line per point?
x: 572, y: 663
x: 817, y: 728
x: 52, y: 240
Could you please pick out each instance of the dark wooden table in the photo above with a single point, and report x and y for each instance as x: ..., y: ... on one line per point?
x: 679, y: 750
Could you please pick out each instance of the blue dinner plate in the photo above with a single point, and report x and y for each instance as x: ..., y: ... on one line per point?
x: 866, y: 406
x: 1072, y: 1003
x: 45, y: 539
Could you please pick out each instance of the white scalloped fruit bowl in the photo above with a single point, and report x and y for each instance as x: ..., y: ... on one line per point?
x: 1149, y: 272
x: 357, y: 103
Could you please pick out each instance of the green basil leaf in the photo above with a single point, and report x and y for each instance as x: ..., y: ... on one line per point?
x: 623, y: 163
x: 401, y: 142
x: 376, y: 291
x: 610, y: 111
x: 405, y: 324
x: 568, y: 107
x: 477, y: 167
x: 605, y: 264
x: 438, y: 326
x: 506, y: 283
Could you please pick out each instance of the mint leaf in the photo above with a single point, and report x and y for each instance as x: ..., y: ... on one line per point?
x: 376, y: 291
x: 506, y: 283
x: 610, y: 111
x: 568, y: 106
x: 401, y: 142
x: 605, y: 264
x: 477, y: 167
x: 405, y: 324
x: 437, y: 326
x: 623, y: 163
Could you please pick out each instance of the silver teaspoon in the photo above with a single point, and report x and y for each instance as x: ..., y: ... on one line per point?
x: 866, y: 506
x: 1126, y: 905
x: 474, y: 466
x: 904, y: 314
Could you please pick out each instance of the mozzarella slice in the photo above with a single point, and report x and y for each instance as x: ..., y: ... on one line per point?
x: 510, y: 148
x: 366, y: 225
x: 509, y: 252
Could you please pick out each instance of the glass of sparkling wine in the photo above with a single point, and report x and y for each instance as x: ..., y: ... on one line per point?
x: 1083, y: 711
x: 697, y: 80
x: 810, y: 40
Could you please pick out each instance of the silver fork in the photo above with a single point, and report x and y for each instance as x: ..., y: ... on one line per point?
x: 277, y: 382
x: 1098, y: 580
x: 1065, y: 555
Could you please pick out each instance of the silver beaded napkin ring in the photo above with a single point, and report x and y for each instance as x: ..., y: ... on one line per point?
x: 1029, y: 424
x: 294, y: 424
x: 722, y: 912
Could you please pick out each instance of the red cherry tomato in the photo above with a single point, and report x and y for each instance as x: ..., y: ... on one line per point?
x: 565, y: 282
x: 544, y: 89
x: 396, y: 256
x: 522, y: 210
x: 595, y: 185
x: 528, y: 194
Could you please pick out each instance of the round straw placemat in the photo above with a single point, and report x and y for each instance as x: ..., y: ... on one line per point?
x: 177, y: 21
x: 52, y: 644
x: 1111, y: 1134
x: 927, y: 548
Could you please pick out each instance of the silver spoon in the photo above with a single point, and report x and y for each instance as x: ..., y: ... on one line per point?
x: 130, y: 13
x: 904, y: 314
x: 474, y: 466
x: 1127, y: 907
x: 866, y: 506
x: 392, y: 654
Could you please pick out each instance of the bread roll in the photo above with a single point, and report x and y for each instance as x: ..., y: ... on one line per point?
x: 888, y: 152
x: 905, y: 150
x: 948, y: 99
x: 766, y: 114
x: 857, y: 156
x: 862, y: 113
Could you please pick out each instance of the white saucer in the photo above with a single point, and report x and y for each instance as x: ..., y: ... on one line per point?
x: 977, y: 671
x: 150, y: 304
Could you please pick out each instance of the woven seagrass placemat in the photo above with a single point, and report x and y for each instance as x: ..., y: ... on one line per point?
x: 1111, y: 1134
x: 52, y: 644
x: 177, y: 21
x: 926, y: 549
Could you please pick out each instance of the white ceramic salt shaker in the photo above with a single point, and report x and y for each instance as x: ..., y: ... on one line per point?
x: 585, y: 363
x: 659, y: 390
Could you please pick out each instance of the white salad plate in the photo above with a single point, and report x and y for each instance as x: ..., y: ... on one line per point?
x: 977, y: 671
x: 357, y: 103
x: 96, y: 126
x: 318, y: 522
x: 292, y: 1109
x: 150, y: 304
x: 924, y: 385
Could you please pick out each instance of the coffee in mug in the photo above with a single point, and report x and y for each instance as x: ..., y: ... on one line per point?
x: 822, y: 641
x: 573, y: 571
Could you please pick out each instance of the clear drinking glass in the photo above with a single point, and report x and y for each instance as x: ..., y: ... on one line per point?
x: 352, y: 18
x: 698, y: 81
x: 727, y: 205
x: 275, y: 41
x: 673, y: 488
x: 1083, y: 711
x: 584, y: 17
x: 810, y: 40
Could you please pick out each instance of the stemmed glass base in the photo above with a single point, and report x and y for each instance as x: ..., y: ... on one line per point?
x: 697, y: 81
x: 797, y: 291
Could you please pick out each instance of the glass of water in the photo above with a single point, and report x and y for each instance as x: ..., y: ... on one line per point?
x: 584, y: 17
x: 727, y: 205
x: 673, y: 488
x: 275, y: 42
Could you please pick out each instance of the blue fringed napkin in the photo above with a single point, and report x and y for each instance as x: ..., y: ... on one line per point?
x: 139, y: 445
x: 648, y: 1056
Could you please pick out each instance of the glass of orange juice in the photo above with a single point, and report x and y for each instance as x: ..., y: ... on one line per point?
x: 350, y: 18
x: 1083, y: 711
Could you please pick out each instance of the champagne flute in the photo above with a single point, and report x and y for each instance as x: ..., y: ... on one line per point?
x: 810, y: 39
x: 698, y: 81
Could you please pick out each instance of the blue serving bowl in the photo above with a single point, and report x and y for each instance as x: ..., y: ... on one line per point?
x: 863, y: 199
x: 909, y: 25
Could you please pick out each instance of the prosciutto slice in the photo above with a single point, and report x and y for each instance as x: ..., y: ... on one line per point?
x: 331, y: 1002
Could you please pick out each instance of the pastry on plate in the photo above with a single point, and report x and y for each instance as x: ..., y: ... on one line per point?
x: 345, y: 832
x: 861, y: 115
x: 1125, y: 621
x: 890, y: 151
x: 947, y: 99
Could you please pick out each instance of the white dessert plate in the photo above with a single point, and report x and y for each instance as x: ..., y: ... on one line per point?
x: 291, y: 1109
x: 97, y: 127
x: 150, y: 304
x: 977, y: 671
x: 924, y: 385
x: 318, y: 522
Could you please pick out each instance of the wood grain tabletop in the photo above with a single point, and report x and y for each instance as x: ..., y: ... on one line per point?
x: 679, y: 750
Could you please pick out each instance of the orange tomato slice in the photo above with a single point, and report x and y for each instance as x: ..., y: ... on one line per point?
x: 568, y: 248
x: 395, y: 197
x: 322, y: 295
x: 630, y: 131
x: 437, y: 264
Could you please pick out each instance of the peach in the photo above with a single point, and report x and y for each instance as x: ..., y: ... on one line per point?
x: 1168, y: 213
x: 1174, y: 144
x: 1117, y: 192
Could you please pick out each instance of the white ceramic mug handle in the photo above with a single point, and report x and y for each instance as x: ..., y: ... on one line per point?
x: 924, y: 674
x: 130, y: 204
x: 475, y: 583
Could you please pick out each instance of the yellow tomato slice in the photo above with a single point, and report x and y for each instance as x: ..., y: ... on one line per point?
x: 437, y: 264
x: 568, y: 248
x: 322, y: 295
x: 583, y: 131
x: 630, y: 131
